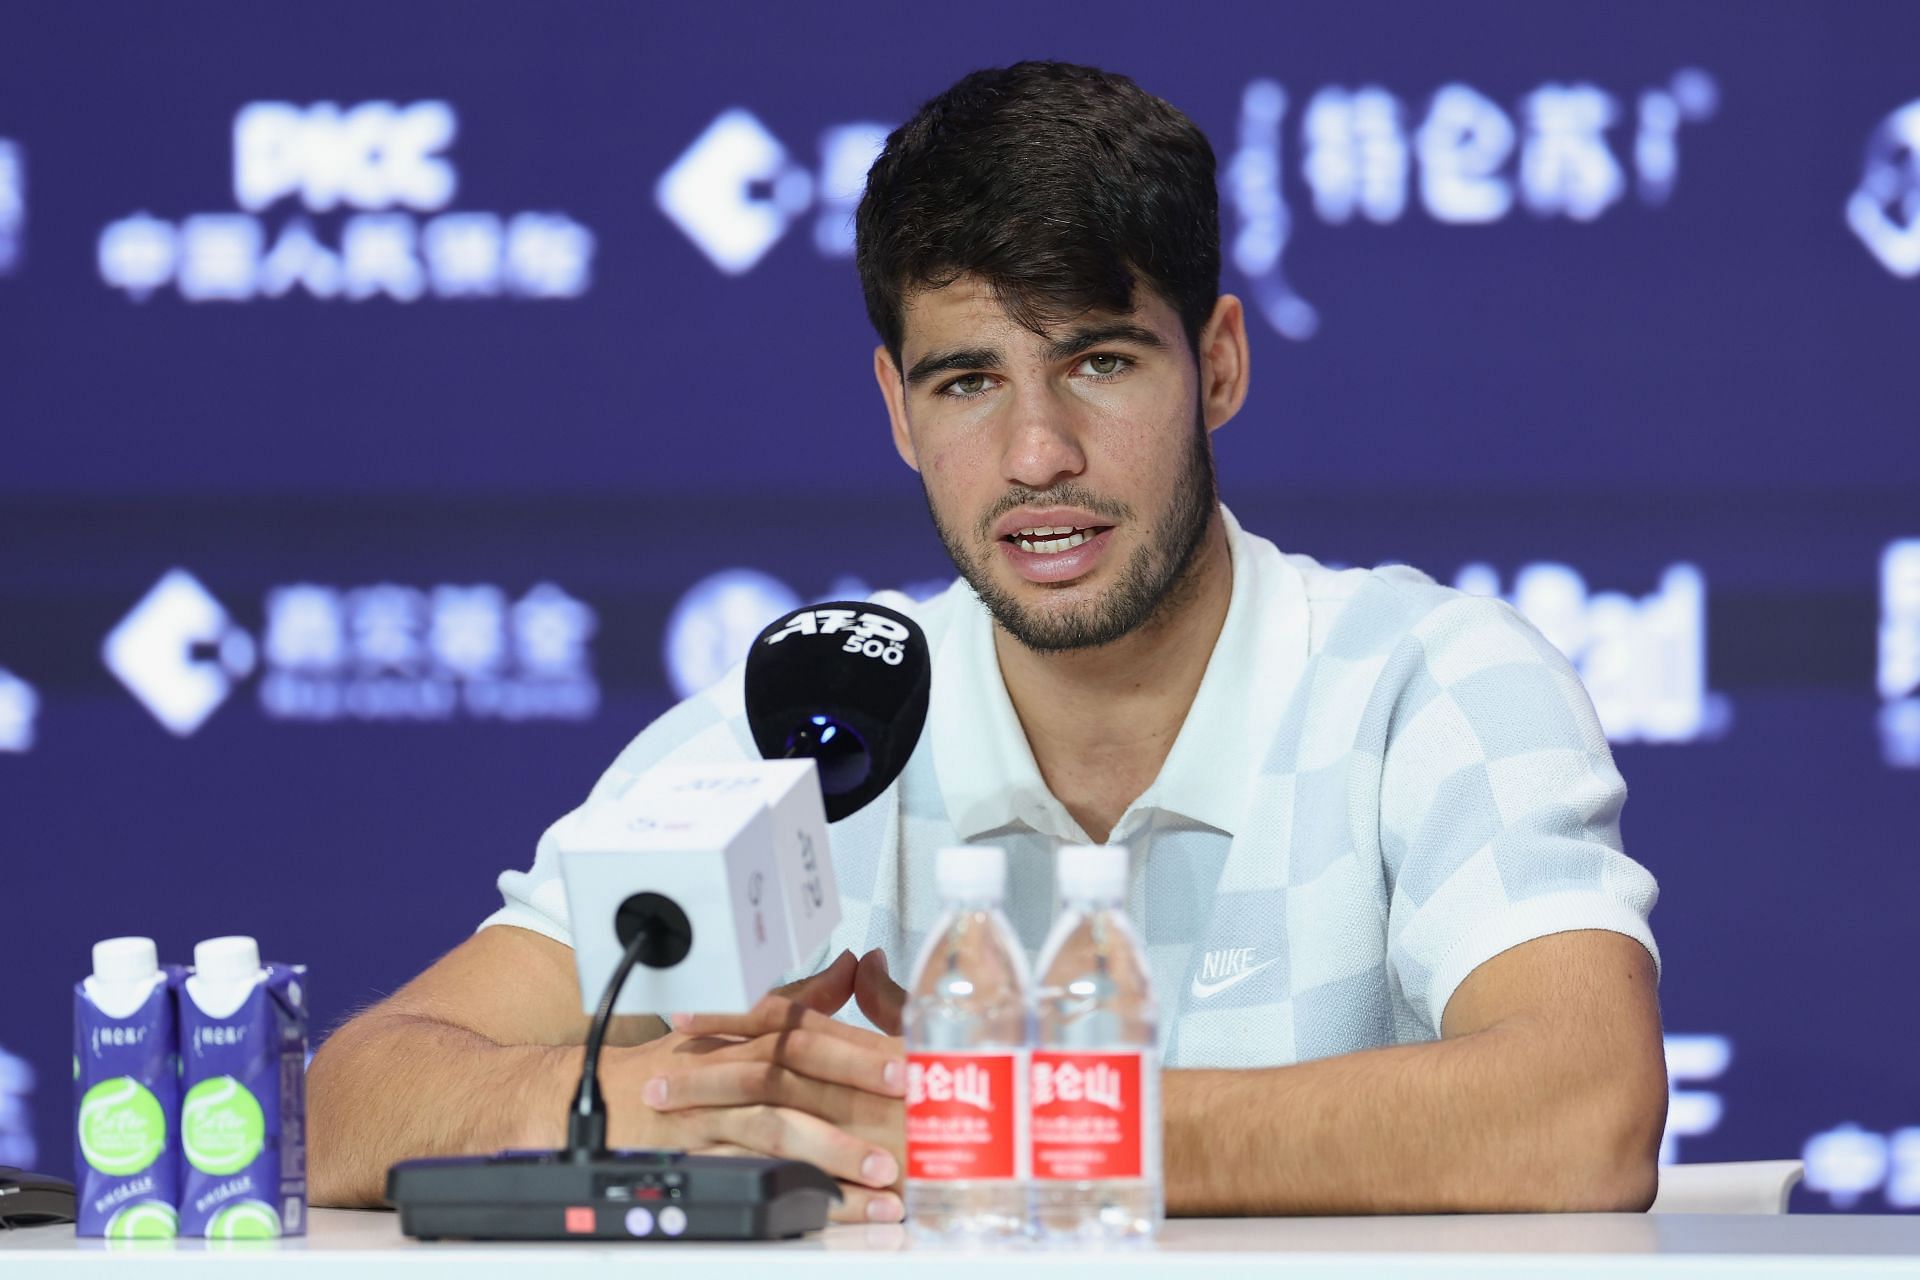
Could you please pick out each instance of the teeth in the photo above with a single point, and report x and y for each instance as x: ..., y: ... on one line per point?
x: 1052, y: 546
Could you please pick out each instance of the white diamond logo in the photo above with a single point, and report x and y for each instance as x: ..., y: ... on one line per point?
x: 179, y: 652
x: 710, y: 191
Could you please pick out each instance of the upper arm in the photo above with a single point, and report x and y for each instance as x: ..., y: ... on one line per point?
x: 1589, y: 993
x: 510, y: 986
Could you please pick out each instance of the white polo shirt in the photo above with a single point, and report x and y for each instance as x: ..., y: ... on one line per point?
x: 1381, y: 784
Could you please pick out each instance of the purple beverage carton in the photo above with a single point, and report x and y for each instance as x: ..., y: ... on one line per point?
x: 126, y: 1090
x: 243, y: 1116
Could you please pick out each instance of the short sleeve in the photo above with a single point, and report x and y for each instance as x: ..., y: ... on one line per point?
x: 1499, y: 804
x: 708, y: 728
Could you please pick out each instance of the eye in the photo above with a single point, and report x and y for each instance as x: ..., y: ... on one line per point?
x: 966, y: 386
x: 1106, y: 364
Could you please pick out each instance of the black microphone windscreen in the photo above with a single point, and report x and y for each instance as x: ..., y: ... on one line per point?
x: 846, y: 684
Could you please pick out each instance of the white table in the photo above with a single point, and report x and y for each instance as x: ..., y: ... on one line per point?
x: 369, y: 1246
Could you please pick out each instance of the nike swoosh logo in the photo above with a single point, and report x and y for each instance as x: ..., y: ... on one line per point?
x: 1204, y: 989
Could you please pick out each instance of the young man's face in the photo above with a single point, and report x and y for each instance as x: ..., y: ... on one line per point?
x: 1069, y: 473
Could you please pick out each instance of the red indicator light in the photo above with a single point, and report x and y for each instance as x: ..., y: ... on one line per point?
x: 646, y: 1193
x: 580, y: 1220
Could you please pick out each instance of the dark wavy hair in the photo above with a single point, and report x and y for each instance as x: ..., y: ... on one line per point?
x: 1061, y: 186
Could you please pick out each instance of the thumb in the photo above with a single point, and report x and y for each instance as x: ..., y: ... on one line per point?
x: 878, y: 995
x: 827, y: 990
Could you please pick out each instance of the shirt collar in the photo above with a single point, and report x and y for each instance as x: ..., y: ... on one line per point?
x: 986, y: 770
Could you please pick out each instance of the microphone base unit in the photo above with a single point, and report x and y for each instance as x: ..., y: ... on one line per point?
x: 617, y: 1195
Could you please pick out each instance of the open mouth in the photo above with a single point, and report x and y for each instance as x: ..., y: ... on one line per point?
x: 1053, y: 539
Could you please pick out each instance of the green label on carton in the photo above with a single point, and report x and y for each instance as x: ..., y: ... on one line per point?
x: 122, y: 1128
x: 245, y: 1220
x: 145, y: 1220
x: 221, y: 1127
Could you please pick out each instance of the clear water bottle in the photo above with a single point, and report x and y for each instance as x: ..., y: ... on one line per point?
x: 1095, y: 1100
x: 968, y: 1025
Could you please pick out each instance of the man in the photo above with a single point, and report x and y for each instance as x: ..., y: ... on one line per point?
x: 1402, y: 961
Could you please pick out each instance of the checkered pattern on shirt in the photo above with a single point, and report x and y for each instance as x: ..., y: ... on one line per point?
x: 1439, y: 791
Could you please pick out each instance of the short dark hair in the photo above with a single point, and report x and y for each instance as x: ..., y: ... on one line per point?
x: 1059, y: 185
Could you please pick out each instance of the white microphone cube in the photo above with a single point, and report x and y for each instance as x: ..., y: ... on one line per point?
x: 741, y: 848
x: 715, y: 860
x: 790, y: 790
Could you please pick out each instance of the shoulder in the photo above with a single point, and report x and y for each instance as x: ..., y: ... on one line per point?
x: 1395, y: 608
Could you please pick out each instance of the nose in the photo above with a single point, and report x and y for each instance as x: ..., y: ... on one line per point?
x: 1043, y: 446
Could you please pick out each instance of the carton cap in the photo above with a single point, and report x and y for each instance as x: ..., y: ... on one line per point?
x: 125, y: 959
x: 1092, y: 871
x: 231, y: 959
x: 971, y: 873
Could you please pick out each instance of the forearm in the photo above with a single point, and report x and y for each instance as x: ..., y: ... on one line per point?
x: 1495, y: 1121
x: 392, y: 1086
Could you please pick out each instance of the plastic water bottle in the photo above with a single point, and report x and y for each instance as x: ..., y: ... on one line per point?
x: 1095, y: 1084
x: 968, y: 1027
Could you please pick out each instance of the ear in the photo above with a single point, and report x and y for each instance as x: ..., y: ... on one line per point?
x: 893, y: 390
x: 1223, y: 362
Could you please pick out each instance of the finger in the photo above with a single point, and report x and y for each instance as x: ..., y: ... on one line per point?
x: 871, y: 1063
x: 795, y: 1135
x: 826, y: 990
x: 864, y: 1204
x: 877, y: 994
x: 771, y: 1015
x: 824, y: 993
x: 761, y: 1078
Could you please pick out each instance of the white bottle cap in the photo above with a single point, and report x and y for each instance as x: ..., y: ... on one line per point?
x: 1092, y: 871
x: 971, y: 873
x: 234, y: 959
x: 125, y: 960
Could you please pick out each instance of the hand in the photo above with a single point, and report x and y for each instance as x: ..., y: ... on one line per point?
x: 785, y: 1080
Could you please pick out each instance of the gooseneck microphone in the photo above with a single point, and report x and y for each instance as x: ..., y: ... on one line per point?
x: 844, y: 684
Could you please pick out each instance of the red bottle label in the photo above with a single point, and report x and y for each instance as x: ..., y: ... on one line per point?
x: 1087, y: 1116
x: 963, y: 1115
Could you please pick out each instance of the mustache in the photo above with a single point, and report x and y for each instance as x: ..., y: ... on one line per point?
x: 1068, y: 494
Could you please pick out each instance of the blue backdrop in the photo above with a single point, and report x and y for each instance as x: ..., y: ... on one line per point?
x: 402, y: 404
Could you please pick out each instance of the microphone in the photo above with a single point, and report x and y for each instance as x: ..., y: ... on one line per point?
x: 844, y: 684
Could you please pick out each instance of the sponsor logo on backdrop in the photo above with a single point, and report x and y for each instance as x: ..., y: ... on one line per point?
x: 1692, y: 1112
x: 17, y: 1145
x: 1899, y: 656
x: 385, y: 652
x: 179, y: 652
x: 13, y: 206
x: 1848, y: 1163
x: 1884, y: 210
x: 347, y: 202
x: 736, y: 189
x: 19, y: 708
x: 1644, y: 661
x: 1365, y: 154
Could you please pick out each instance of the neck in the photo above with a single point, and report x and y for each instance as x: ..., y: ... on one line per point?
x: 1101, y: 721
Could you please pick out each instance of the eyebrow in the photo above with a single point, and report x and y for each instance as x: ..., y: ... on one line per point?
x: 1076, y: 343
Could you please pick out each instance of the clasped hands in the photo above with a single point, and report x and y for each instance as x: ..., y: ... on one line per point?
x: 784, y: 1079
